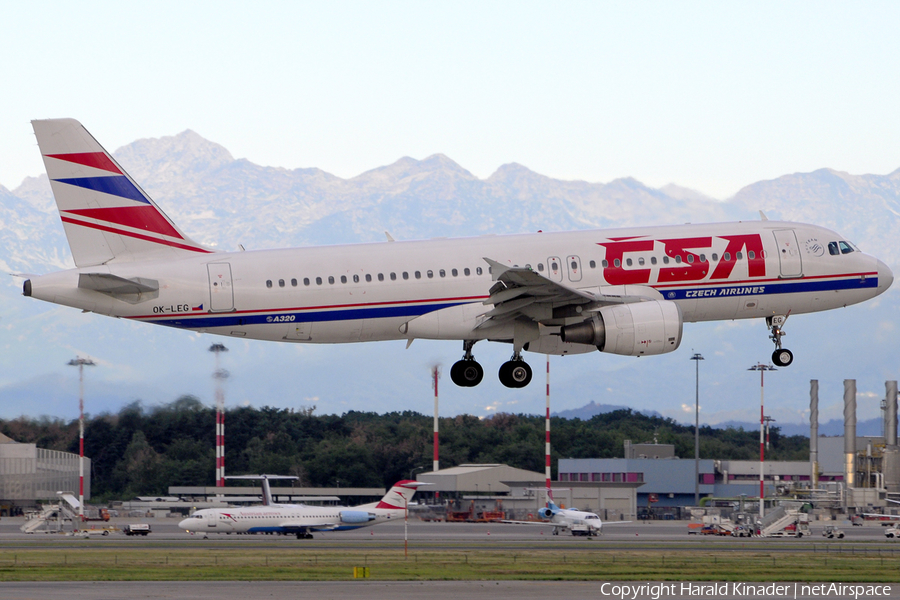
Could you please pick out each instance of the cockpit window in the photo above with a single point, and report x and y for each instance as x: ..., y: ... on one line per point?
x: 846, y: 248
x: 833, y: 248
x: 592, y: 516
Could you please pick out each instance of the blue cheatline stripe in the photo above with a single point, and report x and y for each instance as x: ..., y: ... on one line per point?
x: 771, y: 289
x: 118, y: 185
x: 382, y: 312
x: 232, y: 320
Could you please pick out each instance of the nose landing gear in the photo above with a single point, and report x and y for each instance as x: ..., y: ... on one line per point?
x: 782, y: 357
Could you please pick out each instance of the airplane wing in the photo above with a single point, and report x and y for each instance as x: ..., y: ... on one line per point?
x: 523, y: 292
x: 544, y: 523
x: 883, y: 517
x: 301, y: 526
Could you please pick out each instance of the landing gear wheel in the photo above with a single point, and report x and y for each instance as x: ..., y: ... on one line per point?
x: 515, y: 374
x: 782, y: 357
x: 466, y: 373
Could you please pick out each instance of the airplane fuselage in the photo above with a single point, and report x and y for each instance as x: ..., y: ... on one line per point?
x: 286, y: 519
x: 436, y: 289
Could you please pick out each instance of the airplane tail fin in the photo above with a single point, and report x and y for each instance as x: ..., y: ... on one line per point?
x: 106, y: 215
x: 399, y: 496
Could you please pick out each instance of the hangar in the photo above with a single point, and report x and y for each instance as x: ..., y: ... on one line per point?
x: 29, y: 474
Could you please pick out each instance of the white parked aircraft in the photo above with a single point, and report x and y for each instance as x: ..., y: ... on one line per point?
x: 299, y: 519
x: 579, y: 522
x: 622, y: 291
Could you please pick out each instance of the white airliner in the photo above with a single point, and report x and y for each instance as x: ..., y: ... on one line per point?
x: 299, y: 519
x: 622, y: 291
x: 579, y: 522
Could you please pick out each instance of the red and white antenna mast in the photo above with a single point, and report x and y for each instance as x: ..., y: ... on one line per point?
x: 436, y: 374
x: 220, y: 375
x: 547, y: 444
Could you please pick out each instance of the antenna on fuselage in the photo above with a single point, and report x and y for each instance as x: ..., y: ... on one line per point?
x: 762, y: 216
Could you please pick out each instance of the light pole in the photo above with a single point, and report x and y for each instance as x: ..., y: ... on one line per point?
x: 762, y: 420
x: 697, y: 357
x: 81, y: 363
x: 413, y: 470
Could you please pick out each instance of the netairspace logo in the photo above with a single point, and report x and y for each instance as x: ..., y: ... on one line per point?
x: 656, y: 591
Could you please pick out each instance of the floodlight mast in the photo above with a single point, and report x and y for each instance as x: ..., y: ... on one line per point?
x: 81, y: 363
x: 697, y: 357
x: 762, y: 368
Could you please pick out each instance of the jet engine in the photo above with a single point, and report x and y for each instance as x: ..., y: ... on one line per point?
x: 635, y: 329
x: 545, y: 513
x: 356, y: 516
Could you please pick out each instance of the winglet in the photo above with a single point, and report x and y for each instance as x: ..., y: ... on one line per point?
x: 390, y: 238
x: 762, y: 216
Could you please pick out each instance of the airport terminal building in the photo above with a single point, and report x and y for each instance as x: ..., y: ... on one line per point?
x: 29, y: 474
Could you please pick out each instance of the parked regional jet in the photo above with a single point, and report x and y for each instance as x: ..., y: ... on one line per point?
x: 579, y: 522
x: 622, y: 291
x: 299, y: 519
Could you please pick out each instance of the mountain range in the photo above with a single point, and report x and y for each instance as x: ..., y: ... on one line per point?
x: 225, y: 203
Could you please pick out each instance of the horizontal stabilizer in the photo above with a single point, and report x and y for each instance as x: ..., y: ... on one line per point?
x: 115, y: 285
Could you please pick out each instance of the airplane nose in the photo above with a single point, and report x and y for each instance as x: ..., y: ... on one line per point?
x: 885, y: 276
x: 186, y: 523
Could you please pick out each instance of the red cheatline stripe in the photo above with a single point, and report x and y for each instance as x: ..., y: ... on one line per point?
x: 97, y: 160
x: 145, y: 217
x: 134, y: 235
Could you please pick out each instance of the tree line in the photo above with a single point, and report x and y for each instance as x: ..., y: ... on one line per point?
x: 142, y: 451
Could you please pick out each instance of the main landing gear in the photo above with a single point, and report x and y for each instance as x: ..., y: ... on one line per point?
x: 514, y: 373
x: 467, y: 372
x: 782, y: 357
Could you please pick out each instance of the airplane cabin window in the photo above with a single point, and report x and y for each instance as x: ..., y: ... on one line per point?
x: 418, y: 274
x: 429, y: 273
x: 677, y: 259
x: 738, y: 255
x: 306, y: 281
x: 593, y: 264
x: 702, y: 258
x: 554, y: 266
x: 665, y: 260
x: 617, y: 263
x: 454, y: 272
x: 318, y: 281
x: 268, y: 283
x: 467, y: 272
x: 628, y: 262
x: 845, y: 247
x: 574, y: 265
x: 331, y: 279
x: 641, y: 260
x: 356, y: 279
x: 405, y: 275
x: 726, y: 257
x: 690, y: 258
x: 393, y: 277
x: 281, y: 283
x: 541, y: 267
x: 604, y: 263
x: 751, y: 254
x: 368, y: 277
x: 715, y: 257
x: 381, y: 277
x: 443, y: 273
x: 478, y: 271
x: 652, y: 260
x: 343, y: 279
x: 293, y: 282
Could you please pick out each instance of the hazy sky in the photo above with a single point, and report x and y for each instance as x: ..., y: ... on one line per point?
x: 711, y: 95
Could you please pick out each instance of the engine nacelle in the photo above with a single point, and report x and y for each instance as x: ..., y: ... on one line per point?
x: 356, y: 516
x: 545, y: 513
x: 636, y: 329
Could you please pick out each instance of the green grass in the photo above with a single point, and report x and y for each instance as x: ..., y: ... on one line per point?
x: 244, y: 562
